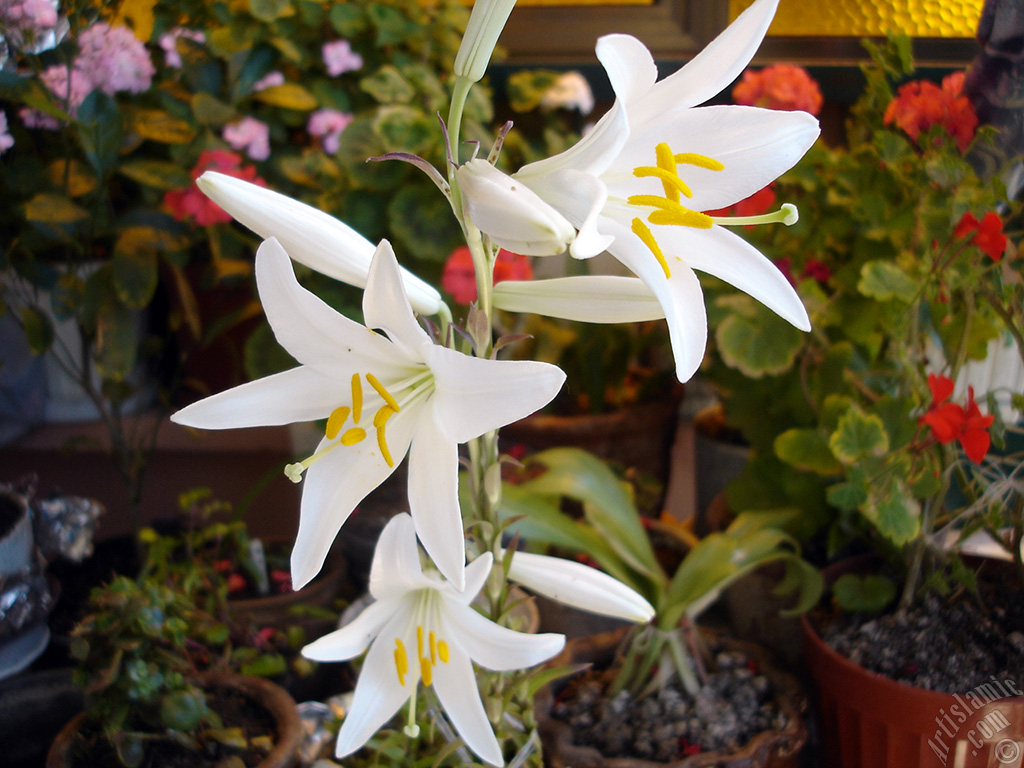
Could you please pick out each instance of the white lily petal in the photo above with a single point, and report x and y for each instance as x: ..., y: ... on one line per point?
x: 333, y: 486
x: 510, y: 213
x: 456, y: 689
x: 396, y: 562
x: 579, y: 197
x: 714, y: 68
x: 309, y: 235
x: 498, y: 648
x: 298, y: 394
x: 474, y: 395
x: 354, y: 638
x: 724, y: 254
x: 476, y: 576
x: 586, y: 298
x: 578, y: 585
x: 379, y: 695
x: 434, y: 500
x: 386, y: 305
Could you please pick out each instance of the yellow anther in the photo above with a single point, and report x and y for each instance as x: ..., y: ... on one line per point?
x: 353, y: 435
x: 701, y: 161
x: 401, y: 661
x: 682, y: 218
x: 667, y: 162
x: 672, y: 184
x: 380, y: 418
x: 357, y: 398
x: 433, y: 648
x: 336, y: 421
x: 442, y: 651
x: 644, y: 233
x: 383, y: 392
x: 426, y: 671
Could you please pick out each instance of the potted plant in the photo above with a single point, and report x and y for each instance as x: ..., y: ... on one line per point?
x: 659, y: 680
x: 905, y: 255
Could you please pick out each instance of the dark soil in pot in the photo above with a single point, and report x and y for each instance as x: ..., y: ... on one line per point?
x: 941, y: 644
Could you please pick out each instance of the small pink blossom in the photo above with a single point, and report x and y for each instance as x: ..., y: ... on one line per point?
x: 328, y: 125
x: 339, y: 57
x: 114, y: 59
x: 55, y: 78
x: 30, y: 24
x: 249, y: 135
x: 6, y: 140
x: 169, y: 44
x: 269, y: 80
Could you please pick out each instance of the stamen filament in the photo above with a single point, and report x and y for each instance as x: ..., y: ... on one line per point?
x: 642, y: 231
x: 382, y: 392
x: 787, y: 215
x: 433, y: 647
x: 294, y: 471
x: 357, y: 398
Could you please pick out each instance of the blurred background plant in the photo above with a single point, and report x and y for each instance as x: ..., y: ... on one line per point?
x: 908, y: 262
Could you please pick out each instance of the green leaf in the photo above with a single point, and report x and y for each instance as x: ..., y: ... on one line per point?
x: 99, y: 131
x: 183, y: 710
x: 50, y: 208
x: 211, y: 111
x: 116, y: 341
x: 157, y: 125
x: 404, y: 129
x: 134, y: 269
x: 268, y: 10
x: 388, y: 86
x: 265, y: 665
x: 756, y: 341
x: 392, y: 24
x: 158, y: 174
x: 884, y: 280
x: 347, y: 19
x: 289, y: 96
x: 421, y: 221
x: 847, y: 496
x: 38, y: 330
x: 863, y: 594
x: 807, y: 449
x: 858, y: 435
x: 893, y: 510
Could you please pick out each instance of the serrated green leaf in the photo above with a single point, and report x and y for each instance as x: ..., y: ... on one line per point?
x: 847, y: 496
x: 421, y: 221
x: 863, y: 594
x: 388, y: 86
x: 758, y: 344
x: 807, y: 449
x: 883, y: 280
x: 858, y: 435
x: 893, y: 510
x: 404, y: 129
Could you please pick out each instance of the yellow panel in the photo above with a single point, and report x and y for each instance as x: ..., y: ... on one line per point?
x: 857, y: 18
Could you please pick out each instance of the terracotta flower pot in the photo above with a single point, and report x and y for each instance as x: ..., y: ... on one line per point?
x: 770, y: 749
x: 274, y: 699
x: 870, y: 721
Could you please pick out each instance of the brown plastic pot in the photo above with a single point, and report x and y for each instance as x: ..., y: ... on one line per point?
x: 273, y: 698
x: 770, y: 749
x: 869, y: 721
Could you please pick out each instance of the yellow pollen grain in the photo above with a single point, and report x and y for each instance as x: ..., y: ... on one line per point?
x: 433, y: 648
x: 667, y: 162
x: 353, y: 435
x: 681, y: 218
x: 426, y: 671
x: 357, y: 398
x: 336, y: 421
x: 383, y: 392
x: 442, y: 651
x: 672, y: 184
x: 701, y: 161
x: 401, y: 661
x: 644, y: 233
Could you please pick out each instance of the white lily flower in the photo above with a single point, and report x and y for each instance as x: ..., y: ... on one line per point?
x: 654, y: 163
x: 309, y: 235
x: 510, y: 213
x: 578, y: 585
x: 383, y: 396
x: 420, y: 628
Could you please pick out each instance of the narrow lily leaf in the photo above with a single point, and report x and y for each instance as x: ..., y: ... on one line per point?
x: 584, y: 298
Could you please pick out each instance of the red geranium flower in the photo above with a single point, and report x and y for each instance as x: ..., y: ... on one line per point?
x: 951, y: 421
x: 190, y: 203
x: 988, y: 236
x: 459, y: 277
x: 781, y: 86
x: 974, y: 437
x: 920, y: 104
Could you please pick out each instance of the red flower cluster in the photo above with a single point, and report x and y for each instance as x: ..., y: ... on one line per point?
x: 988, y: 235
x: 190, y: 203
x: 459, y: 277
x: 951, y: 421
x: 921, y: 104
x: 781, y: 86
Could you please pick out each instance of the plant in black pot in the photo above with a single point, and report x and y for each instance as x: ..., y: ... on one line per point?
x: 663, y: 693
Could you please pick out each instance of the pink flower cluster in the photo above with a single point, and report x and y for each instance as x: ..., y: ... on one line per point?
x: 249, y: 135
x: 339, y: 57
x: 26, y: 23
x: 269, y: 80
x: 328, y: 125
x: 169, y: 44
x: 110, y: 59
x: 921, y: 104
x: 781, y: 86
x: 191, y: 204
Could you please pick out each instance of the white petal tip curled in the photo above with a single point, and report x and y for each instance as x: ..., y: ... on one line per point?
x: 790, y: 214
